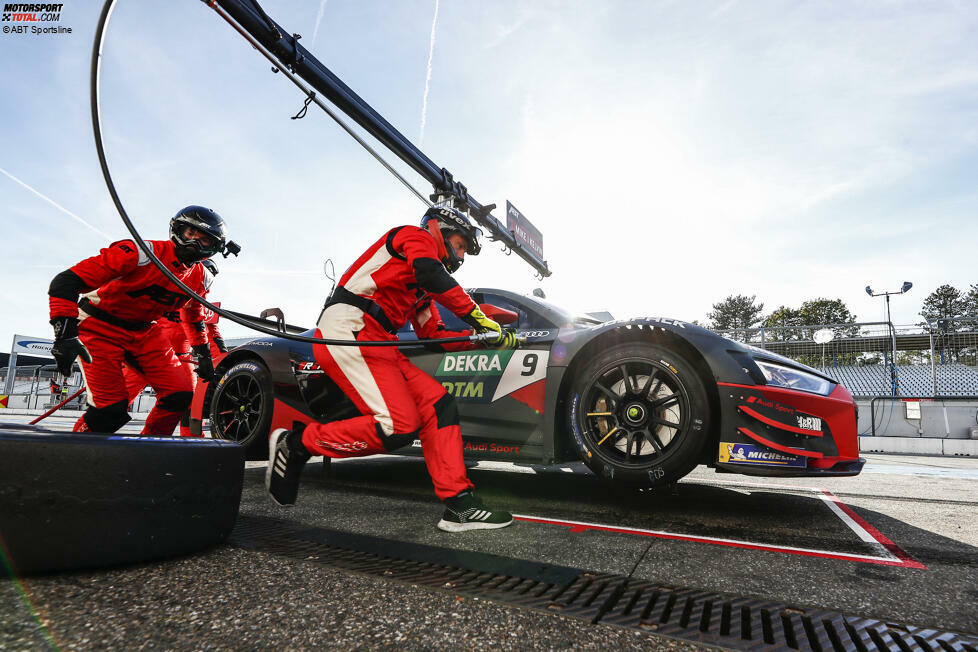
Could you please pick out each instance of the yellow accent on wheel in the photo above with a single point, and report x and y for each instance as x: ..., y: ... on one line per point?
x: 598, y: 414
x: 610, y: 432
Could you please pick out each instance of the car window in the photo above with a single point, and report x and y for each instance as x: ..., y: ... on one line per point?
x: 528, y: 320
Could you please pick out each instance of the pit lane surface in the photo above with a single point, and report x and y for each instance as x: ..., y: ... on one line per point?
x: 232, y: 598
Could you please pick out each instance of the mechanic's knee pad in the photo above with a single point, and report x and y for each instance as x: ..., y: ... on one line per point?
x: 446, y: 411
x: 107, y: 419
x: 175, y: 402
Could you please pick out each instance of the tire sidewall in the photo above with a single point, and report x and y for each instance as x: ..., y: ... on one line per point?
x: 259, y: 373
x: 681, y: 456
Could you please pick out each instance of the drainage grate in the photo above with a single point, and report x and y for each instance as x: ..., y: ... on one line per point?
x: 686, y: 614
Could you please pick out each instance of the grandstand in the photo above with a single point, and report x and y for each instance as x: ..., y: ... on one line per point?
x: 936, y: 359
x: 912, y: 380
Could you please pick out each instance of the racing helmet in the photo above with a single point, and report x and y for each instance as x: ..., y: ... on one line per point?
x: 190, y: 250
x: 451, y: 221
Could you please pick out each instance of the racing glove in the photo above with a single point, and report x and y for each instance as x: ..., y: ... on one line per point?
x: 482, y: 324
x: 221, y: 346
x: 67, y: 346
x: 205, y: 365
x: 509, y: 340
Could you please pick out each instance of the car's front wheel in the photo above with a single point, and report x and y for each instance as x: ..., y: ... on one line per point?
x: 639, y: 414
x: 241, y: 408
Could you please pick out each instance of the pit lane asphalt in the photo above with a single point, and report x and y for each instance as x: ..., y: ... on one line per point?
x: 232, y: 598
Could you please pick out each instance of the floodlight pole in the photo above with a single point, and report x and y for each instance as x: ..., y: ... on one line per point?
x: 905, y: 288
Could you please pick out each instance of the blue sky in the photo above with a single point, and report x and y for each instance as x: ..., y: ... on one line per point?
x: 671, y: 153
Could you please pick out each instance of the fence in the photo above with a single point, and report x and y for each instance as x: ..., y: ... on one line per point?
x: 934, y: 358
x: 33, y: 390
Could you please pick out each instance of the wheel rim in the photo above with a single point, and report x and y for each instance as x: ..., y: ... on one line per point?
x: 239, y: 408
x: 634, y: 412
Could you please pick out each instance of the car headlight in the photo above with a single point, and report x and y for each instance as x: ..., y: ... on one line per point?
x: 789, y: 378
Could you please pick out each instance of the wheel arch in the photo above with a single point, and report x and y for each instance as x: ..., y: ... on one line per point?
x: 632, y: 333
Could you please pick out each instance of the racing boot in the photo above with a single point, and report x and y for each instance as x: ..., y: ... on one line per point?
x: 286, y: 457
x: 467, y: 512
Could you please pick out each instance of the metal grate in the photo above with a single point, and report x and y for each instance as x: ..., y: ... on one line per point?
x: 681, y: 613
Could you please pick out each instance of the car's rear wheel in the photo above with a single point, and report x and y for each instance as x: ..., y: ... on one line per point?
x: 639, y: 414
x: 241, y: 409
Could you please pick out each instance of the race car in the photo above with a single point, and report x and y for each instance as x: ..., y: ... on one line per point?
x: 640, y: 401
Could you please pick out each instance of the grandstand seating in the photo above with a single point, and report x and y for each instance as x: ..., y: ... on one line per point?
x: 913, y: 380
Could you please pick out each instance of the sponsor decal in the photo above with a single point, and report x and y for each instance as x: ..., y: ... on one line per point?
x: 487, y: 376
x: 491, y: 447
x: 486, y: 363
x: 757, y: 456
x: 32, y: 345
x: 809, y: 423
x: 465, y: 390
x: 774, y: 405
x: 523, y: 230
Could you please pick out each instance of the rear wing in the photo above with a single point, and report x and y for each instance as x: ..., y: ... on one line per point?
x: 250, y: 19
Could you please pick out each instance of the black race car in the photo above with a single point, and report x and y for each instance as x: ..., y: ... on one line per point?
x: 640, y: 401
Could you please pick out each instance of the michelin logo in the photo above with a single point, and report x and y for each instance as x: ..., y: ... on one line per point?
x: 757, y: 455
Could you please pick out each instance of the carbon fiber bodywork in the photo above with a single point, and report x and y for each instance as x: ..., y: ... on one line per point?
x: 513, y: 404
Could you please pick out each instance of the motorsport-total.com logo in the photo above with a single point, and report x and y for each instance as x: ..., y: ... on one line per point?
x: 26, y: 15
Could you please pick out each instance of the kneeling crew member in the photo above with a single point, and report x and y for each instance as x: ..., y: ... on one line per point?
x: 395, y: 280
x: 123, y: 295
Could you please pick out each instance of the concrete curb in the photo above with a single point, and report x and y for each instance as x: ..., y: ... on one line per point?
x: 919, y: 446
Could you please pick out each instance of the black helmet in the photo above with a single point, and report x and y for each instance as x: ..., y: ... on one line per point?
x: 204, y: 220
x: 452, y: 221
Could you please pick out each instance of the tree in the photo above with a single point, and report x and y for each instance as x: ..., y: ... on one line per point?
x: 784, y: 321
x: 736, y: 311
x: 944, y: 302
x: 971, y: 301
x: 825, y: 311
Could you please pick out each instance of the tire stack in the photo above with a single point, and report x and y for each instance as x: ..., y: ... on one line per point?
x: 73, y: 500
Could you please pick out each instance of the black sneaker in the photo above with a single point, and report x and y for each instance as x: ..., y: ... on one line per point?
x: 466, y: 512
x: 286, y: 457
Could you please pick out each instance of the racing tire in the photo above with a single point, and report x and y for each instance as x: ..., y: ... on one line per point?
x: 75, y: 501
x: 242, y: 406
x: 638, y: 414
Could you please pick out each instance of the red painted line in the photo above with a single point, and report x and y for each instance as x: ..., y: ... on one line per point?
x: 905, y: 557
x: 777, y: 424
x: 778, y: 447
x: 577, y: 526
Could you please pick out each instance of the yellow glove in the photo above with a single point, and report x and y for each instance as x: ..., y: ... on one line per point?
x: 509, y: 341
x: 482, y: 324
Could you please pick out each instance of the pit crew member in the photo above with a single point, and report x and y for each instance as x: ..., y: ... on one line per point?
x: 178, y: 334
x: 395, y: 280
x: 123, y: 296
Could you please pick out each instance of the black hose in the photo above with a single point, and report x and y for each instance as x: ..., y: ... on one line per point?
x: 148, y: 250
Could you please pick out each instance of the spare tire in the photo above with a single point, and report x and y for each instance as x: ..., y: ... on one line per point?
x: 70, y: 501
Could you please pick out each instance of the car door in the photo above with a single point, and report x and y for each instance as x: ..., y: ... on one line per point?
x: 500, y: 393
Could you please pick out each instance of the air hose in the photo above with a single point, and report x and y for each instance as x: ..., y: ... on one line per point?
x: 100, y: 32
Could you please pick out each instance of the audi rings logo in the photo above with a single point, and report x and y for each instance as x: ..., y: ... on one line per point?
x: 25, y: 17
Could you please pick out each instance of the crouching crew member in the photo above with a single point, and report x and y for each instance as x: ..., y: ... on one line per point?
x: 123, y: 296
x: 178, y: 334
x: 395, y: 280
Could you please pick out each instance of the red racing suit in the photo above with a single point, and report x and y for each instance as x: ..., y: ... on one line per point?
x: 123, y: 295
x: 179, y: 335
x: 393, y: 281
